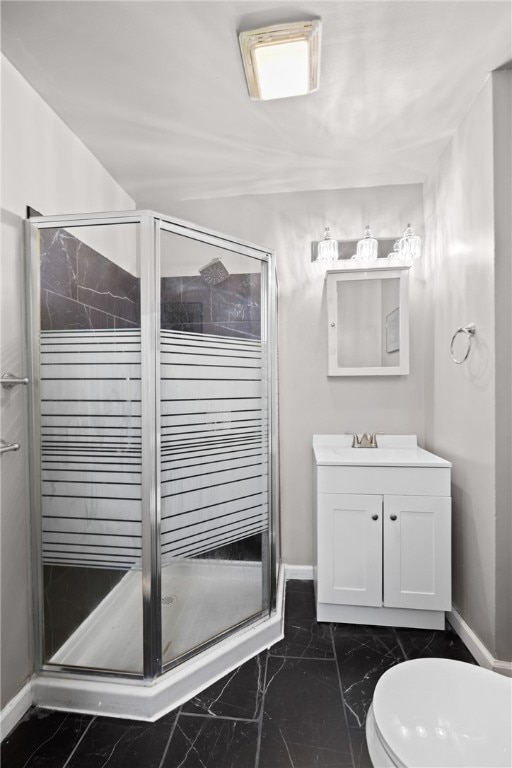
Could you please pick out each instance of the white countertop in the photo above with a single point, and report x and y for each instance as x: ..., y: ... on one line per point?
x: 393, y: 451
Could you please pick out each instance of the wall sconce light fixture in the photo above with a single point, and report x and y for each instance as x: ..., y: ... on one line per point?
x: 364, y: 253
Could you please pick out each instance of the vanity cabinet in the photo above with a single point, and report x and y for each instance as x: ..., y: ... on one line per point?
x: 383, y: 536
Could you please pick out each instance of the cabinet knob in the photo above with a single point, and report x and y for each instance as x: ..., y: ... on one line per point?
x: 392, y: 517
x: 375, y: 517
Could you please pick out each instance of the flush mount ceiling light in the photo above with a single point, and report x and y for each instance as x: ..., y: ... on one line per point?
x: 282, y: 60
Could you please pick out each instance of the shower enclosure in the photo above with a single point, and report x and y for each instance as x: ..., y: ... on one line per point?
x: 154, y: 462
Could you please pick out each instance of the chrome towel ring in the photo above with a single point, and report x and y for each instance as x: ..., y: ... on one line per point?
x: 470, y: 331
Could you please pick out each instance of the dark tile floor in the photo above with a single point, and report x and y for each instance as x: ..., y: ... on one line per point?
x: 301, y: 704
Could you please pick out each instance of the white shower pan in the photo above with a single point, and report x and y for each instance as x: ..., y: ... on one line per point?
x: 200, y: 598
x: 138, y: 699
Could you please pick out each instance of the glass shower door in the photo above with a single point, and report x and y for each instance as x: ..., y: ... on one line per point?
x: 88, y: 436
x: 214, y: 415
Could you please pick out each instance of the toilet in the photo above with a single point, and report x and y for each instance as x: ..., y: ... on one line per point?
x: 439, y: 713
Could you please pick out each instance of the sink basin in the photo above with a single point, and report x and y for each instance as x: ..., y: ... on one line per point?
x: 393, y: 451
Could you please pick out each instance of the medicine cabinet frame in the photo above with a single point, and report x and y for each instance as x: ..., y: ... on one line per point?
x: 375, y: 272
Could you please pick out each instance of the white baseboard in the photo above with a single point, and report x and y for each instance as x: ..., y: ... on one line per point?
x: 475, y: 645
x: 14, y: 710
x: 298, y: 572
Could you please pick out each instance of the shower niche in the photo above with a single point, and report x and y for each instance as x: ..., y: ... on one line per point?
x: 153, y: 460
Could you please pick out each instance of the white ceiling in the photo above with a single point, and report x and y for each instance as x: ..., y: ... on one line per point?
x: 157, y: 92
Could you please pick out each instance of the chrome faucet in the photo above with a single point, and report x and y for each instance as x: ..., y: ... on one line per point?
x: 367, y: 440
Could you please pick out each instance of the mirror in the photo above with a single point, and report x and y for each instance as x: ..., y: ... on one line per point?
x: 368, y: 321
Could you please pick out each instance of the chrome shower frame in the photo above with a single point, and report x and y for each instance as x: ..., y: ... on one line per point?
x: 150, y: 225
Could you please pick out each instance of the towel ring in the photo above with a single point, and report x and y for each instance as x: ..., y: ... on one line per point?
x: 469, y: 330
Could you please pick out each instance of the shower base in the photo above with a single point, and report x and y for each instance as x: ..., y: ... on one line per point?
x: 150, y: 700
x: 200, y: 599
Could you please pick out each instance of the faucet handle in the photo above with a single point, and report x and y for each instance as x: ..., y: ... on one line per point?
x: 355, y: 438
x: 373, y: 439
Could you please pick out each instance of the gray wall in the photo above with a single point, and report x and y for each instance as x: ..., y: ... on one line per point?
x: 42, y: 162
x: 467, y: 258
x: 310, y: 402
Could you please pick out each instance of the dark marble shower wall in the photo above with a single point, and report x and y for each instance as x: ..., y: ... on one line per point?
x: 81, y: 289
x: 230, y: 308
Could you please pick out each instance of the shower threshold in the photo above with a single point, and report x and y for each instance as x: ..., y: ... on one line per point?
x: 114, y: 631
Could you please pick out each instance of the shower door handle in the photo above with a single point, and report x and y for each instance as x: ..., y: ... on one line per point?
x: 9, y: 380
x: 6, y: 447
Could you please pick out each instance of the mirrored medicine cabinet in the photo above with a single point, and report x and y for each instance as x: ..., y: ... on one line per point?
x: 368, y: 321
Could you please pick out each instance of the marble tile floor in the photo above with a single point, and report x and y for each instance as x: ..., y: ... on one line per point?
x: 301, y: 704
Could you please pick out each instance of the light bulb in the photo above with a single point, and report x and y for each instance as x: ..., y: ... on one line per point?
x: 327, y: 249
x: 367, y: 247
x: 395, y: 253
x: 410, y: 244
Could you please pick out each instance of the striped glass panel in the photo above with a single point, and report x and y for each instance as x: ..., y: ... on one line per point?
x: 214, y: 442
x: 91, y: 459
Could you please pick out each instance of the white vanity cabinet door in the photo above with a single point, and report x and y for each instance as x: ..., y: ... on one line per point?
x: 417, y: 552
x: 350, y: 549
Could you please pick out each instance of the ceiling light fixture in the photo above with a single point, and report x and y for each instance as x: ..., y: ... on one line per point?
x: 282, y: 60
